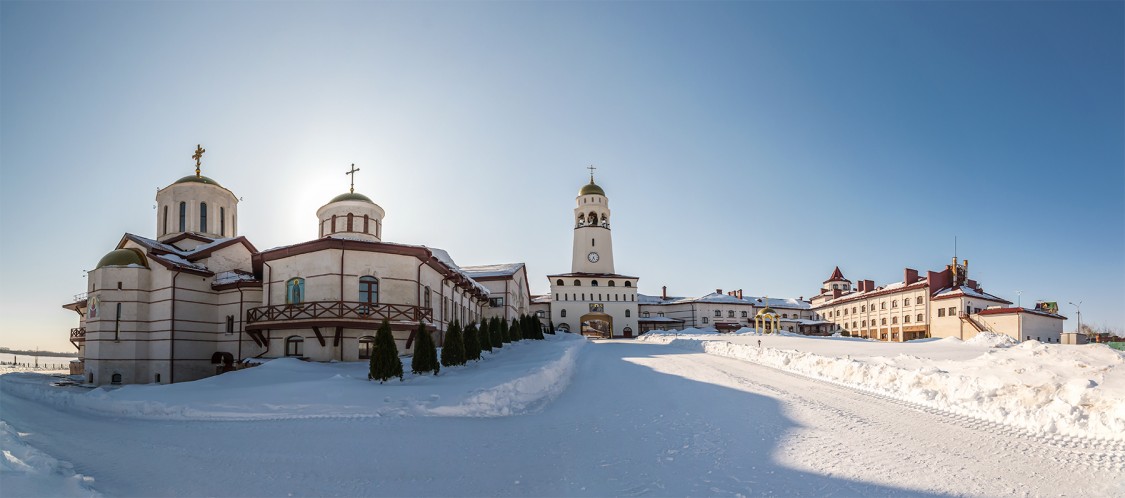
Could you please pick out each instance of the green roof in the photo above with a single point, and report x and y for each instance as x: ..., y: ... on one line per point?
x: 351, y: 196
x: 123, y: 257
x: 591, y: 188
x: 198, y: 179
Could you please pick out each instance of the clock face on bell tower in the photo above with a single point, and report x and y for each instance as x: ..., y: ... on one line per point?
x: 593, y: 257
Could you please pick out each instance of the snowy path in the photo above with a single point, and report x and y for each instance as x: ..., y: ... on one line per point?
x: 637, y: 419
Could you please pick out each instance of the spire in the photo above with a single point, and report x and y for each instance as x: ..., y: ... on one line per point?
x: 352, y: 172
x: 199, y: 150
x: 837, y: 275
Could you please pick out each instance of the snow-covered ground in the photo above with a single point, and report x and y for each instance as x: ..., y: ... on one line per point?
x: 1052, y: 388
x: 560, y: 417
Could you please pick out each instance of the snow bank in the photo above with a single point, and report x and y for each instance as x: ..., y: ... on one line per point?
x: 992, y: 339
x: 27, y: 471
x: 1063, y: 389
x: 518, y: 378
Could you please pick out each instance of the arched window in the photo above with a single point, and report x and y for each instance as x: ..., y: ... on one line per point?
x: 294, y: 345
x: 562, y: 313
x: 368, y: 289
x: 628, y: 283
x: 295, y: 291
x: 559, y: 282
x: 202, y: 216
x: 116, y: 378
x: 592, y: 219
x: 165, y: 229
x: 919, y: 317
x: 577, y: 283
x: 628, y: 313
x: 333, y: 224
x: 730, y: 313
x: 350, y: 217
x: 718, y: 313
x: 222, y: 222
x: 593, y: 283
x: 366, y: 223
x: 183, y: 216
x: 366, y: 346
x: 612, y: 283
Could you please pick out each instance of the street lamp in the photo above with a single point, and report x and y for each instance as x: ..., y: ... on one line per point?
x: 1078, y: 307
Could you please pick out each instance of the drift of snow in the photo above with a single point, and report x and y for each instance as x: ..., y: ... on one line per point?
x: 26, y: 471
x: 519, y: 378
x: 1063, y: 389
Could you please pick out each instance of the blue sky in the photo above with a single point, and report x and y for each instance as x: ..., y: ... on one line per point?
x: 742, y: 145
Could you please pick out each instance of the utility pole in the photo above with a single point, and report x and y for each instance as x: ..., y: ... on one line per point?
x: 1078, y: 307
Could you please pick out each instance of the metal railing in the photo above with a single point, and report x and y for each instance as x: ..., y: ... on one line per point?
x: 78, y: 334
x: 328, y: 310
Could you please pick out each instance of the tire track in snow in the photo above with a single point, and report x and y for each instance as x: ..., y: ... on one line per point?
x: 851, y: 429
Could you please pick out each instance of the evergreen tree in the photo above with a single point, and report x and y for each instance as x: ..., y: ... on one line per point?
x: 504, y: 331
x: 472, y: 343
x: 551, y: 327
x: 453, y: 350
x: 425, y: 352
x: 514, y: 331
x: 494, y: 333
x: 385, y: 362
x: 538, y: 324
x: 484, y: 335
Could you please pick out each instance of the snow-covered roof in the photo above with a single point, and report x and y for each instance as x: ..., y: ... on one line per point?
x: 967, y: 291
x: 489, y: 271
x: 443, y: 256
x: 541, y: 299
x: 661, y: 319
x: 230, y: 277
x: 719, y: 298
x: 878, y: 291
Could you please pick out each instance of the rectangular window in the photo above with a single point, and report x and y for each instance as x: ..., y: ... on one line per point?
x: 230, y: 324
x: 941, y: 312
x: 952, y: 311
x: 704, y: 320
x: 495, y: 302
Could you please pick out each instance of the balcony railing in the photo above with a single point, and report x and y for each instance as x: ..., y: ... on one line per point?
x: 77, y: 335
x: 336, y: 310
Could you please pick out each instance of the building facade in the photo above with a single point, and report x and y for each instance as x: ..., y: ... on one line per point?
x: 200, y: 299
x: 940, y: 304
x: 593, y: 299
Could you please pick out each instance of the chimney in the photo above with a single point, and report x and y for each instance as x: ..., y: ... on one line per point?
x: 836, y: 293
x: 718, y: 291
x: 740, y: 293
x: 870, y: 284
x: 909, y: 276
x: 861, y: 285
x: 664, y: 292
x: 802, y: 298
x: 972, y: 284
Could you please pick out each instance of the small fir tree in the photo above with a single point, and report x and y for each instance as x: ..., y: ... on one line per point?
x: 494, y: 333
x: 484, y: 335
x: 551, y: 327
x: 505, y: 332
x: 514, y: 331
x: 538, y: 325
x: 472, y: 343
x: 385, y: 362
x: 453, y: 350
x: 425, y: 352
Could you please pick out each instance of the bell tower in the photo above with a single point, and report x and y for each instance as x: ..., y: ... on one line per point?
x: 593, y: 246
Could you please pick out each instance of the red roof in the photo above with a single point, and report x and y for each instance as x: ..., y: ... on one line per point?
x: 836, y: 275
x: 1005, y: 311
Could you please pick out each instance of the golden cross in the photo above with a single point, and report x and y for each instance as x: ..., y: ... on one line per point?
x: 352, y: 172
x: 197, y: 156
x: 591, y: 168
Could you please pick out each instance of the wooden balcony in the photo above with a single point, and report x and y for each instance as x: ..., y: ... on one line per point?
x: 333, y: 313
x: 77, y: 335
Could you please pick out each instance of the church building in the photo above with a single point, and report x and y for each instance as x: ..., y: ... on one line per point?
x: 592, y: 298
x: 199, y: 299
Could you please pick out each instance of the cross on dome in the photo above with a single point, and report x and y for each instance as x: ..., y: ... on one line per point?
x: 591, y: 168
x: 199, y: 150
x: 352, y: 172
